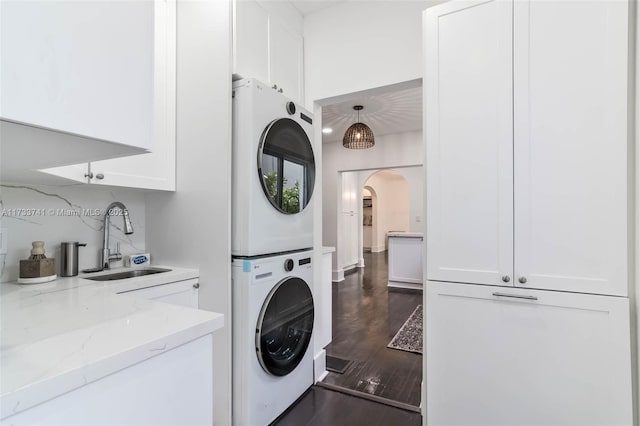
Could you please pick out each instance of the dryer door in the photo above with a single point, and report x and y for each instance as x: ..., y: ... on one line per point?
x: 286, y: 165
x: 283, y: 332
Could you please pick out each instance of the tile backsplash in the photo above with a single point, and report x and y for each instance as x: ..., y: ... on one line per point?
x: 54, y: 214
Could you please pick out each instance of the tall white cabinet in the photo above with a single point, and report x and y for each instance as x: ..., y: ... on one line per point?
x: 350, y: 221
x: 527, y: 144
x: 527, y: 136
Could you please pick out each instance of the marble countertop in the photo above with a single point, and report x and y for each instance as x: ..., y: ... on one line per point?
x: 59, y: 336
x: 405, y: 234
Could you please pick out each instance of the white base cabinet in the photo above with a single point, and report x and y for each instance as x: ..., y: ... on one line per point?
x: 499, y: 356
x: 173, y: 388
x: 405, y: 260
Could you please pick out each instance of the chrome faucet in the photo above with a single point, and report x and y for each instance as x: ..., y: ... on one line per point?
x: 107, y: 256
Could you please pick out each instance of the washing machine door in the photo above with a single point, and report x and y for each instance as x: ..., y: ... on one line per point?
x: 286, y: 166
x: 283, y: 332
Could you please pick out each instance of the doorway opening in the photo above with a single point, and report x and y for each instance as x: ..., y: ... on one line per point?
x: 368, y: 194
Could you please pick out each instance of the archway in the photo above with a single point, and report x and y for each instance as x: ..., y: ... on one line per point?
x: 390, y: 210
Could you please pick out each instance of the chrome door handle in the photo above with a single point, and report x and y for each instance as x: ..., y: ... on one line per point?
x: 515, y: 296
x: 506, y: 278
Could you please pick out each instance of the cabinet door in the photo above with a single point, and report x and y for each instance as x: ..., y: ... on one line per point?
x: 183, y: 293
x: 571, y: 142
x: 553, y: 358
x: 468, y: 129
x: 251, y: 40
x: 285, y: 60
x: 84, y: 68
x: 155, y: 170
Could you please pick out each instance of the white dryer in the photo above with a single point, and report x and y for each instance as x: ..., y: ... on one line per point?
x: 273, y: 172
x: 273, y: 314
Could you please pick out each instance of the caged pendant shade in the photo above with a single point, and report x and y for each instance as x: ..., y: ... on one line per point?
x: 358, y: 135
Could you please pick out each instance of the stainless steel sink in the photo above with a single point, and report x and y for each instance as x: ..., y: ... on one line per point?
x: 128, y: 274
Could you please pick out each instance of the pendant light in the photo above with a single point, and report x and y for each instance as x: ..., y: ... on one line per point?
x: 358, y: 135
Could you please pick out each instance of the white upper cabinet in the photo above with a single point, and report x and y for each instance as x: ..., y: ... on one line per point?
x: 527, y: 181
x: 268, y: 45
x: 285, y: 61
x: 570, y: 150
x: 468, y: 105
x: 155, y: 170
x: 251, y: 40
x: 80, y: 67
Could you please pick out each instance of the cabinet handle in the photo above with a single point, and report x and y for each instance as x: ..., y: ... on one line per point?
x: 280, y: 90
x: 274, y: 87
x: 89, y: 175
x: 506, y: 278
x: 515, y: 296
x: 100, y: 176
x: 522, y: 280
x: 196, y: 285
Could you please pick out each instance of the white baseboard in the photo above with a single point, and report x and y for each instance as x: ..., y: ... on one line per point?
x: 361, y: 263
x: 337, y: 275
x: 398, y: 284
x: 377, y: 249
x: 320, y: 366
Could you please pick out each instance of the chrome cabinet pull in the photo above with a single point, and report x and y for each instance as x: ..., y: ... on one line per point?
x: 506, y: 278
x: 89, y: 175
x: 522, y: 280
x: 100, y: 176
x: 196, y: 285
x: 515, y: 296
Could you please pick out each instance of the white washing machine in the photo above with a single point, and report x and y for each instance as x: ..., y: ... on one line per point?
x: 273, y: 172
x: 273, y: 318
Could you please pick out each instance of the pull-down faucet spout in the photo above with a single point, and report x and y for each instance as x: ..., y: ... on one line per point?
x: 107, y: 256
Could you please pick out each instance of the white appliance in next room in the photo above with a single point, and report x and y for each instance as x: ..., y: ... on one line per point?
x: 273, y: 172
x: 273, y: 315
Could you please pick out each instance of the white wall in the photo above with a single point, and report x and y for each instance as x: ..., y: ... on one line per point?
x: 191, y: 227
x: 54, y: 214
x: 399, y: 150
x: 359, y: 45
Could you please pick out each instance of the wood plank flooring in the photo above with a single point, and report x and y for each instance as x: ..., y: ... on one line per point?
x: 322, y: 407
x: 366, y: 316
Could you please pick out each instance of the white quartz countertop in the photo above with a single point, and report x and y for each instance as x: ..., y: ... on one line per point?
x: 327, y: 249
x: 405, y: 234
x: 59, y: 336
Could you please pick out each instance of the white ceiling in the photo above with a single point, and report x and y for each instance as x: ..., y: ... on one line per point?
x: 393, y: 112
x: 309, y: 6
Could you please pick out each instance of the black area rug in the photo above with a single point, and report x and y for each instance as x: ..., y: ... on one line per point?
x: 409, y: 337
x: 337, y: 365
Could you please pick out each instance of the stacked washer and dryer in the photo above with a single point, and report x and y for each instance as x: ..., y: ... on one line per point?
x: 272, y: 238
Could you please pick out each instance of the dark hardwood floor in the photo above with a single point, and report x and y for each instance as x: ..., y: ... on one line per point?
x: 366, y: 316
x: 322, y: 407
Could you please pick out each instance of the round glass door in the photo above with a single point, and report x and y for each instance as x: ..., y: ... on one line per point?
x: 284, y: 327
x: 286, y: 166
